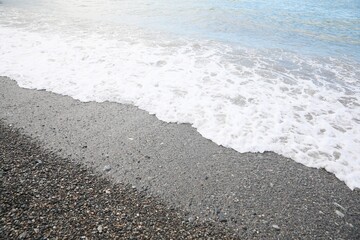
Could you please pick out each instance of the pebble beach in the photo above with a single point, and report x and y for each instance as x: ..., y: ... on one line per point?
x: 105, y: 170
x: 44, y: 196
x: 144, y: 119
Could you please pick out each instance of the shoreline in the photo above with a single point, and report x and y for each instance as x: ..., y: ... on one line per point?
x: 251, y: 192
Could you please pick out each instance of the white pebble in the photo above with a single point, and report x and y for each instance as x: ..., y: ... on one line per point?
x: 340, y: 214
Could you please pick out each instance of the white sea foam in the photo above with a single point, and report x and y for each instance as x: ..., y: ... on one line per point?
x: 304, y: 108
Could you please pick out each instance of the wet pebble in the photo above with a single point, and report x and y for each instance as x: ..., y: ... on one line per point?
x: 340, y: 214
x: 276, y: 227
x: 222, y: 218
x: 107, y: 168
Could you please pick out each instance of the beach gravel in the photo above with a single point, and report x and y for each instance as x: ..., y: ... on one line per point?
x: 44, y: 196
x: 248, y: 192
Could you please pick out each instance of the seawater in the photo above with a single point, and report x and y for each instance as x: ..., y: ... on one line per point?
x: 255, y: 76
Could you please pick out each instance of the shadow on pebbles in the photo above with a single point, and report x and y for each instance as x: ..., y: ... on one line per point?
x: 44, y: 196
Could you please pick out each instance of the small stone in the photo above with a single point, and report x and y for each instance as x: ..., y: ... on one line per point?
x: 99, y: 228
x: 217, y: 210
x: 191, y: 219
x: 339, y: 206
x: 350, y: 225
x: 340, y: 214
x: 276, y: 227
x: 38, y: 161
x: 107, y: 168
x: 23, y: 235
x: 222, y: 217
x: 36, y: 230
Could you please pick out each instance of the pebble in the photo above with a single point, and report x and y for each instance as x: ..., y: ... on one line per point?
x: 107, y: 168
x: 23, y: 235
x: 276, y: 227
x: 350, y: 225
x: 222, y: 217
x: 99, y: 228
x: 340, y: 214
x: 339, y: 206
x: 217, y: 210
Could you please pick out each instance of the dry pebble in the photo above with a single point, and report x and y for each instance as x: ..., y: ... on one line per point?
x: 44, y: 196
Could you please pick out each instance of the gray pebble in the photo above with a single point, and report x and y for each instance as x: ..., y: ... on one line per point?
x: 217, y: 210
x: 340, y: 214
x: 339, y: 206
x: 222, y: 217
x: 23, y: 235
x: 276, y: 227
x: 107, y: 168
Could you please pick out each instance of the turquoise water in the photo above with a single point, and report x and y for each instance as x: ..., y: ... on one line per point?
x: 324, y: 27
x: 321, y: 27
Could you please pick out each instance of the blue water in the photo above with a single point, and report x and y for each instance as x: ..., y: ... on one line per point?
x: 322, y: 27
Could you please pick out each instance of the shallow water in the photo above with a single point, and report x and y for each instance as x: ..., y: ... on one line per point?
x: 256, y: 76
